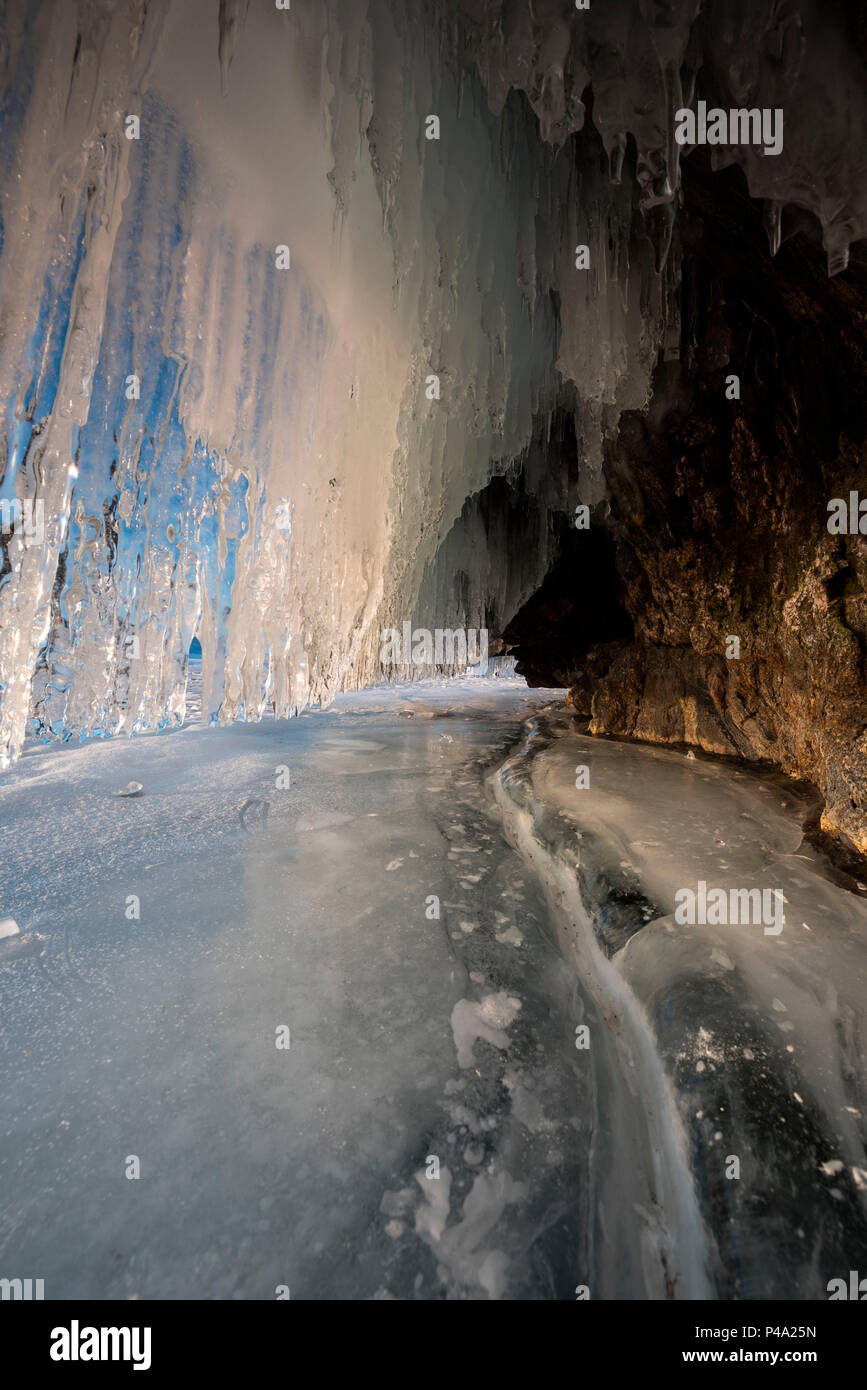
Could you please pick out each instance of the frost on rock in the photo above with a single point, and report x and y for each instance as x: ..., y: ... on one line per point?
x: 264, y: 342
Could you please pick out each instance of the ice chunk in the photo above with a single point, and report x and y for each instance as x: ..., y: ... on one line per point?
x: 488, y: 1019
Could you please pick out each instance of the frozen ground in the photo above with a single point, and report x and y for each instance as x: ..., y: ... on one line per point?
x: 762, y: 1033
x: 412, y: 1038
x: 285, y: 875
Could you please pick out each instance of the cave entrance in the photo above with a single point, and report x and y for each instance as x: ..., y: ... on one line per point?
x: 578, y: 604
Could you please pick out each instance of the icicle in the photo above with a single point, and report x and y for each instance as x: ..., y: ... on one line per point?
x: 773, y: 213
x: 836, y: 241
x: 615, y: 158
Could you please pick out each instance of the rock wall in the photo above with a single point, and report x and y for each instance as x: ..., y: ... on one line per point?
x: 719, y: 514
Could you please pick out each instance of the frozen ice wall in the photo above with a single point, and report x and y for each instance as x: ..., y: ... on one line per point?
x: 262, y: 340
x: 225, y: 436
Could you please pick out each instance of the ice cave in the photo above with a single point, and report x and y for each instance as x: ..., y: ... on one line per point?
x: 432, y: 449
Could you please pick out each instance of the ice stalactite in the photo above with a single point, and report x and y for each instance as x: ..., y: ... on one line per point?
x: 284, y: 289
x: 61, y: 211
x: 229, y: 277
x: 645, y: 61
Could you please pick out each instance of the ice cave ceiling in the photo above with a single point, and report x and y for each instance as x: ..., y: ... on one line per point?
x: 285, y: 363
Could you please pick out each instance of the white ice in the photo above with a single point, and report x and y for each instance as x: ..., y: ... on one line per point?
x: 263, y: 905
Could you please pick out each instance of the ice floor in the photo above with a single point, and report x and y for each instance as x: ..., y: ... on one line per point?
x: 761, y: 1026
x: 411, y: 885
x: 417, y: 1043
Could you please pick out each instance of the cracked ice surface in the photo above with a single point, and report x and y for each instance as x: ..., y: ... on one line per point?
x: 761, y: 1035
x: 155, y: 1036
x: 422, y: 1043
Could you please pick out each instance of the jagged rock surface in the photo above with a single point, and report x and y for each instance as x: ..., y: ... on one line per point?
x: 719, y: 517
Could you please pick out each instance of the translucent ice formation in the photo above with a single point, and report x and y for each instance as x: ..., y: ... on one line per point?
x: 229, y: 279
x: 282, y: 290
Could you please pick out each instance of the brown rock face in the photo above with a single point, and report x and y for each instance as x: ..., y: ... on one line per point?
x: 719, y: 518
